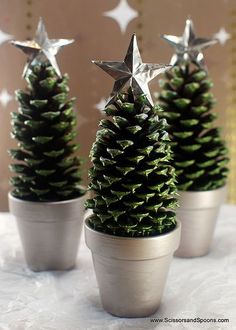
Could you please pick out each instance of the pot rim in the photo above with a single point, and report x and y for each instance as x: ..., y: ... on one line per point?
x: 178, y: 224
x: 66, y: 201
x: 202, y: 191
x: 132, y: 248
x: 47, y: 212
x: 195, y: 200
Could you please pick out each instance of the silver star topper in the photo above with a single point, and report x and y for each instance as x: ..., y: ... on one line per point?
x: 132, y: 72
x: 42, y: 48
x: 188, y: 47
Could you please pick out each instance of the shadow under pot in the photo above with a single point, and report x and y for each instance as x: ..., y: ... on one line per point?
x: 49, y: 232
x: 198, y: 214
x: 131, y: 271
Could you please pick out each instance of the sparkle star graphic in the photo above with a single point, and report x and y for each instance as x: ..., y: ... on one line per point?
x: 42, y: 45
x: 123, y: 14
x: 5, y: 98
x: 101, y: 105
x: 132, y: 72
x: 4, y: 37
x: 223, y: 36
x: 188, y: 47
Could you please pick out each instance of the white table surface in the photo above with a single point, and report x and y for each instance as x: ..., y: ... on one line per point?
x: 202, y: 287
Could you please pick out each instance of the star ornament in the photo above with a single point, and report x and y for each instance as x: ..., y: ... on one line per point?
x: 132, y: 72
x: 188, y: 47
x: 41, y: 48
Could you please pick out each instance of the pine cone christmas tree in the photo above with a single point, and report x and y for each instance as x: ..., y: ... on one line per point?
x: 132, y: 178
x: 200, y: 154
x: 45, y: 126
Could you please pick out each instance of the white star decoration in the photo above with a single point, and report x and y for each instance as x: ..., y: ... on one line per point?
x: 101, y: 105
x: 4, y: 37
x: 222, y: 35
x: 123, y: 14
x: 5, y: 98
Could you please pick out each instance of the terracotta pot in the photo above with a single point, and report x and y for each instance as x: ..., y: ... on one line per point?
x: 131, y: 272
x: 198, y: 214
x: 50, y: 232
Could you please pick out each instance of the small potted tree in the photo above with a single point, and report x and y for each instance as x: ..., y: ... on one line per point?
x: 200, y: 154
x: 133, y: 231
x: 46, y: 199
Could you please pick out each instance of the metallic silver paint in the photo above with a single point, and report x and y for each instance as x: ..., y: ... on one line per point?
x: 188, y: 47
x: 50, y: 232
x: 131, y: 272
x: 132, y: 72
x: 41, y: 48
x: 198, y: 214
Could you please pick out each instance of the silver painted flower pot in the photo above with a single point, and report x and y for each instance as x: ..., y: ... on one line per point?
x: 198, y: 214
x: 131, y: 272
x: 50, y: 232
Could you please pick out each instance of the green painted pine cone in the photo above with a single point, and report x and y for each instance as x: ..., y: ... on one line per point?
x: 200, y: 155
x: 132, y: 179
x: 46, y: 167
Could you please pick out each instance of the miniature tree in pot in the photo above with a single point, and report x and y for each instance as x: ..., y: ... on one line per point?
x: 132, y: 232
x: 200, y: 154
x: 46, y: 199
